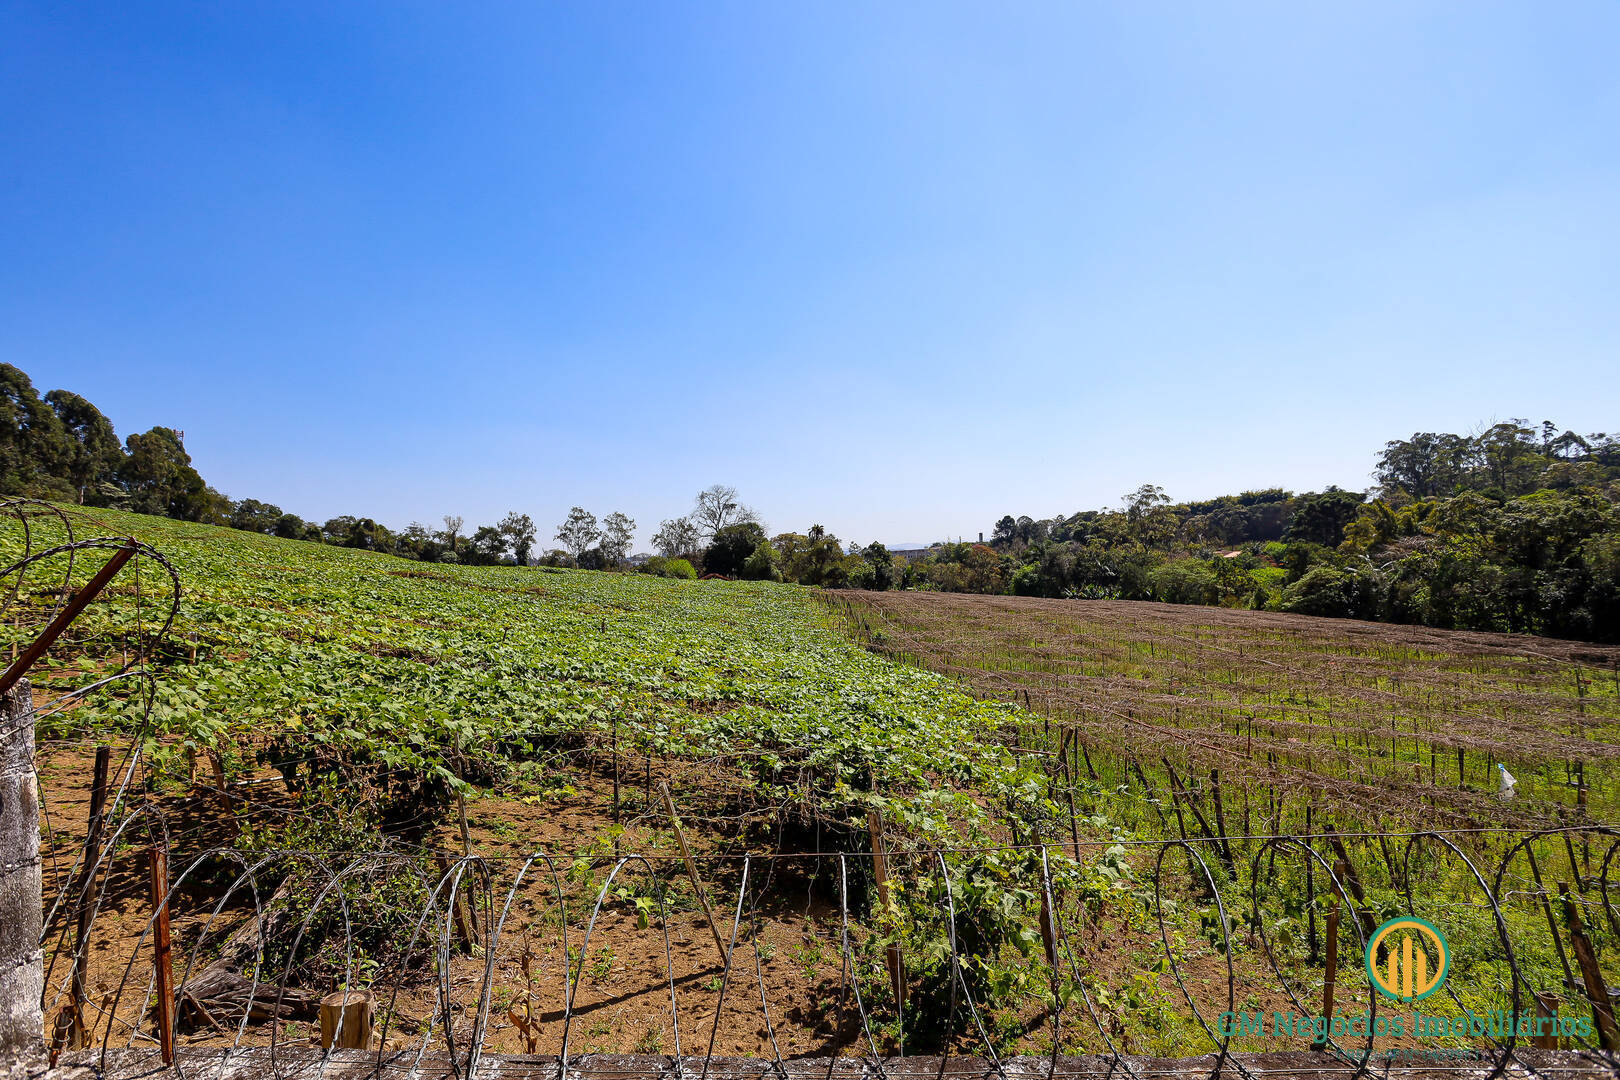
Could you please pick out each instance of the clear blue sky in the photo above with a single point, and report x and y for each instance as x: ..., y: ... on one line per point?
x: 895, y: 268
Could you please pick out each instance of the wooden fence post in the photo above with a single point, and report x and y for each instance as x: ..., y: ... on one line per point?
x: 1546, y: 1006
x: 1352, y: 881
x: 692, y: 870
x: 1048, y: 930
x: 84, y: 895
x: 162, y: 960
x: 1552, y: 923
x: 1330, y: 974
x: 1596, y: 992
x: 22, y: 961
x: 1310, y: 889
x: 1220, y: 820
x: 461, y: 913
x: 880, y: 873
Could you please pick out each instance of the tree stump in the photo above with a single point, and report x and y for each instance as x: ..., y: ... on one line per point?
x: 353, y: 1008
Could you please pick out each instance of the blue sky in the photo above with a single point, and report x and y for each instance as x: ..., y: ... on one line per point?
x: 894, y: 268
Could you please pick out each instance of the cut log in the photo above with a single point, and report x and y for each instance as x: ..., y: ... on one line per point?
x: 218, y: 995
x: 346, y: 1020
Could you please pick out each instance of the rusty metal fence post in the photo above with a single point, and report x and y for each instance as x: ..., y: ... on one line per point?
x: 22, y: 967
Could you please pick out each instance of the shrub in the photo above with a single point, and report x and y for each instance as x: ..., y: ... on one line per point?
x: 1335, y: 592
x: 761, y: 563
x: 658, y: 566
x: 1185, y: 582
x: 391, y: 888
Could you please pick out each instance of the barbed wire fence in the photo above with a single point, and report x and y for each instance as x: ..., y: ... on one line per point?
x: 410, y: 959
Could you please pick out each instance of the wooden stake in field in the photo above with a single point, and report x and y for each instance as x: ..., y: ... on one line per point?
x: 1310, y: 891
x: 1070, y: 736
x: 692, y: 870
x: 1331, y: 973
x: 461, y: 912
x: 1220, y: 819
x: 880, y: 872
x: 1546, y: 1006
x: 74, y: 1032
x: 1552, y: 923
x: 1352, y: 881
x: 158, y: 868
x: 1048, y: 932
x: 1596, y: 992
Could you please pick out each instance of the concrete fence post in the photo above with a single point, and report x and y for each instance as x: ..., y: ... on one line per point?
x: 22, y: 967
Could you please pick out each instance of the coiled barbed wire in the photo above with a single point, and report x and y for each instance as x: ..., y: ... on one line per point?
x: 432, y: 952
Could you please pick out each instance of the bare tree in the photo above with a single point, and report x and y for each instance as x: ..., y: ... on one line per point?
x: 579, y: 532
x: 717, y: 506
x: 677, y: 536
x: 618, y: 531
x: 452, y: 529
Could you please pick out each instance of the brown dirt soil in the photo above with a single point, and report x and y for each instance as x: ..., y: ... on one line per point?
x: 623, y: 996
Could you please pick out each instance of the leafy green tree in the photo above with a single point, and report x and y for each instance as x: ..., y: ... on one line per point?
x: 675, y: 537
x: 1146, y: 516
x: 1334, y: 591
x: 814, y: 558
x: 290, y: 527
x: 519, y: 531
x: 417, y: 541
x: 160, y: 480
x: 578, y: 532
x: 1320, y: 518
x: 336, y: 530
x: 363, y: 533
x: 618, y: 532
x: 728, y: 552
x: 878, y: 557
x: 761, y: 563
x: 35, y: 451
x: 251, y: 515
x: 1424, y: 466
x: 1506, y: 455
x: 367, y: 535
x: 93, y: 450
x: 1185, y: 581
x: 487, y: 546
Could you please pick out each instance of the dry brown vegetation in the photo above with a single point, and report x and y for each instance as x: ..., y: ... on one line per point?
x: 1387, y: 724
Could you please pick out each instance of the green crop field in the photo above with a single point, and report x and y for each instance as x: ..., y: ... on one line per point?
x: 445, y: 671
x: 329, y: 704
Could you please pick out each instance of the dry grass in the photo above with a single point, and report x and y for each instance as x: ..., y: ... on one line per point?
x: 1387, y: 724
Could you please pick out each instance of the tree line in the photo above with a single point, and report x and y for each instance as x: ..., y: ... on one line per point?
x: 1513, y: 527
x: 60, y: 447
